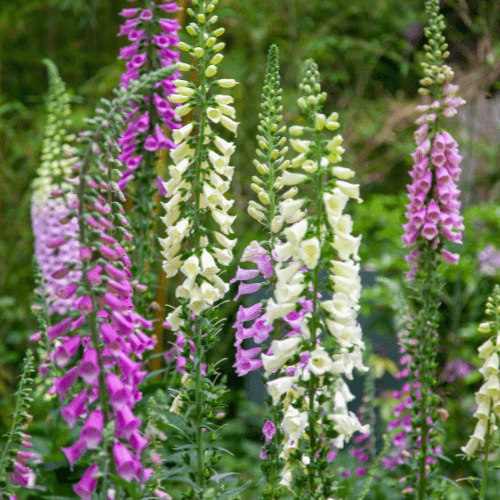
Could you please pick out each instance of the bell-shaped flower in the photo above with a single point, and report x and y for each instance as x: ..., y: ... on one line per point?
x: 92, y: 430
x: 320, y: 362
x: 309, y: 252
x: 60, y: 329
x: 119, y: 393
x: 275, y: 311
x: 89, y: 368
x: 191, y: 266
x: 75, y: 452
x: 279, y: 386
x: 63, y: 384
x: 126, y: 422
x: 87, y: 483
x: 67, y: 350
x: 138, y: 441
x: 296, y: 232
x: 335, y: 202
x: 75, y: 409
x: 127, y: 466
x: 350, y: 190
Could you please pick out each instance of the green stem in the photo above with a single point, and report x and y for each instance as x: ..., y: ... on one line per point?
x: 313, y: 379
x: 199, y: 409
x: 197, y: 189
x: 486, y: 455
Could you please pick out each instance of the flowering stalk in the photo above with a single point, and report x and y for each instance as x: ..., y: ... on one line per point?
x: 103, y: 382
x: 306, y: 386
x: 154, y: 42
x: 271, y: 191
x: 488, y: 396
x: 197, y: 225
x: 56, y: 243
x: 433, y: 215
x: 13, y: 468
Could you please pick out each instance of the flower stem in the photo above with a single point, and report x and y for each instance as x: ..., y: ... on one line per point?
x: 486, y: 455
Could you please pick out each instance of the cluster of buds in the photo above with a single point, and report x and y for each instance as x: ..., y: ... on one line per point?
x: 488, y: 395
x: 434, y: 210
x: 154, y: 45
x: 56, y: 241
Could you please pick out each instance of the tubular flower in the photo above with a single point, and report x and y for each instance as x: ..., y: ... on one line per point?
x: 56, y: 241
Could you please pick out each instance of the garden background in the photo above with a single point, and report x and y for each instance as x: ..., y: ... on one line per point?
x: 368, y: 54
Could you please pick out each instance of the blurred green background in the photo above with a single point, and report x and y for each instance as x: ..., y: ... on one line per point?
x: 368, y: 52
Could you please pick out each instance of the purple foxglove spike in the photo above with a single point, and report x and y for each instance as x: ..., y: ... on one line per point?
x: 127, y: 466
x: 89, y: 368
x: 138, y: 442
x: 117, y: 390
x: 247, y: 288
x: 92, y: 430
x: 75, y: 452
x: 75, y: 409
x: 60, y: 329
x: 126, y: 422
x: 63, y: 383
x: 66, y: 351
x: 87, y: 483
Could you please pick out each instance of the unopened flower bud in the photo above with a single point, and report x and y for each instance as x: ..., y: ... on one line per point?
x: 484, y: 327
x: 277, y: 224
x: 264, y: 198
